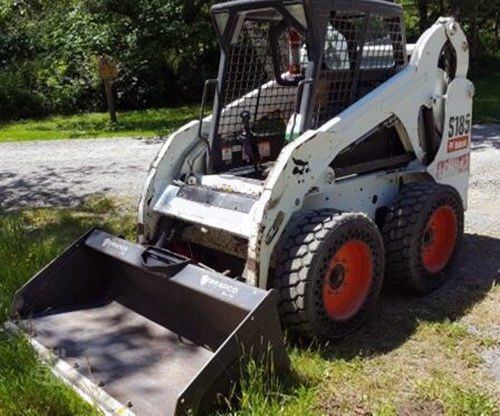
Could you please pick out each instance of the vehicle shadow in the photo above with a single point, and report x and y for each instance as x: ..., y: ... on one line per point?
x: 476, y: 268
x: 44, y: 189
x: 50, y: 187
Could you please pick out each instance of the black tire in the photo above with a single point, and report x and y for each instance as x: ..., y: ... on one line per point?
x: 409, y: 236
x: 313, y: 282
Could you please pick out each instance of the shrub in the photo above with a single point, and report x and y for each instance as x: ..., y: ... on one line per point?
x: 49, y: 52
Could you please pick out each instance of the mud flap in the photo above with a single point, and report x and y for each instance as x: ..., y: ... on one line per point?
x: 145, y: 328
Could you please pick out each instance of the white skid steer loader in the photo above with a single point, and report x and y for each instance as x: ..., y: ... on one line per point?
x: 332, y: 157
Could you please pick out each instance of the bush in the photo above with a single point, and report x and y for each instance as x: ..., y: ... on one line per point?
x: 165, y: 49
x: 17, y: 100
x: 49, y: 52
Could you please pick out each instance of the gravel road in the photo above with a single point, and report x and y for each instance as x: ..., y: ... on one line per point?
x: 64, y: 172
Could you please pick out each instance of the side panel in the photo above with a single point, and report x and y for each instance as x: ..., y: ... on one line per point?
x: 452, y: 163
x: 172, y: 158
x: 364, y: 193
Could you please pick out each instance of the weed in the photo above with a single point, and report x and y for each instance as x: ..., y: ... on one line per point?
x: 455, y: 399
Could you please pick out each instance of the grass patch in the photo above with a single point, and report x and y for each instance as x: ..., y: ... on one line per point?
x: 455, y: 399
x: 486, y: 78
x: 145, y: 123
x: 29, y: 240
x: 28, y: 387
x: 431, y: 373
x: 263, y: 393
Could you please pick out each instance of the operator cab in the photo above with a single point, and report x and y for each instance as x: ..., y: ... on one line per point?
x: 286, y: 68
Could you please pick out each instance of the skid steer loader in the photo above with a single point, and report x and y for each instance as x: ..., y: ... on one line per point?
x: 334, y: 154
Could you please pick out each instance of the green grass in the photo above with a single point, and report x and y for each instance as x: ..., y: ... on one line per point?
x: 408, y: 359
x: 146, y: 123
x: 28, y: 388
x: 29, y: 240
x: 456, y: 400
x: 487, y: 99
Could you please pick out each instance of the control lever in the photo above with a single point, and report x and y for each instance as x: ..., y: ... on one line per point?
x: 249, y: 141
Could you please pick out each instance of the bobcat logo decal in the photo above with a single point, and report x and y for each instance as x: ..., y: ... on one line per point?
x: 301, y: 168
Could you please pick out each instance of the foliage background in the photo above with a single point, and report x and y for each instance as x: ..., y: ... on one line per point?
x: 165, y: 48
x: 49, y: 50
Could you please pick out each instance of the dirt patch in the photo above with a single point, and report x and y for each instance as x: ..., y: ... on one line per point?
x: 421, y: 408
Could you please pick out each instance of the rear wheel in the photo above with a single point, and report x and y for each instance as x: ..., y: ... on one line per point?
x: 330, y: 272
x: 421, y: 232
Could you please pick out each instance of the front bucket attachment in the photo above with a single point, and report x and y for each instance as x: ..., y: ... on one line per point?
x: 142, y: 330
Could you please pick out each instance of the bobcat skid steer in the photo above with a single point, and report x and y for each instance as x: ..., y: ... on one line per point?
x: 333, y: 155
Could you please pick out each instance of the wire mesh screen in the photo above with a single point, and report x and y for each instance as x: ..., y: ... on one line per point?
x: 250, y: 81
x: 361, y: 51
x: 382, y: 53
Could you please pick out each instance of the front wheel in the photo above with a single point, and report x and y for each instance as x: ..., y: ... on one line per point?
x: 329, y: 272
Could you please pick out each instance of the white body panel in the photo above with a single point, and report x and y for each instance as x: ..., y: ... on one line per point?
x: 234, y: 222
x: 452, y: 163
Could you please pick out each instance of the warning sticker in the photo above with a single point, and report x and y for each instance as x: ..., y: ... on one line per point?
x: 453, y: 166
x: 458, y: 143
x: 264, y: 149
x: 227, y: 153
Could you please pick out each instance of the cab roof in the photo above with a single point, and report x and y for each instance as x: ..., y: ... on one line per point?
x: 380, y: 6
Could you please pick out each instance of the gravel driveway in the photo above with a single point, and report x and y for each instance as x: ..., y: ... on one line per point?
x: 64, y: 172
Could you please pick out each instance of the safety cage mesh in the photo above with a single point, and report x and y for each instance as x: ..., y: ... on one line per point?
x: 361, y: 51
x: 250, y: 82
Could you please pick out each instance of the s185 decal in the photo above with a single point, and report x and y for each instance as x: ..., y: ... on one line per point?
x: 459, y: 125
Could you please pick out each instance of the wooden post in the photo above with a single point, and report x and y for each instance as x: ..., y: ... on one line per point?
x: 108, y: 71
x: 108, y: 86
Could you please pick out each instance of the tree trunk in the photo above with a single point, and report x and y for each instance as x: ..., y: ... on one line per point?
x: 474, y: 36
x: 423, y: 11
x: 497, y: 28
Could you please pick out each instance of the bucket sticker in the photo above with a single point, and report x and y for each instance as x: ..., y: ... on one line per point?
x: 225, y: 289
x: 121, y: 248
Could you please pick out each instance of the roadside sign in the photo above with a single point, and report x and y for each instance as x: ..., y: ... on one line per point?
x: 108, y: 71
x: 107, y: 68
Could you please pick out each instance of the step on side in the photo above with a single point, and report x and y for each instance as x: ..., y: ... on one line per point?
x: 149, y: 329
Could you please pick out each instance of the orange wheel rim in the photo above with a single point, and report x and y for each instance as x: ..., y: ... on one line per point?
x: 439, y: 239
x: 347, y: 280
